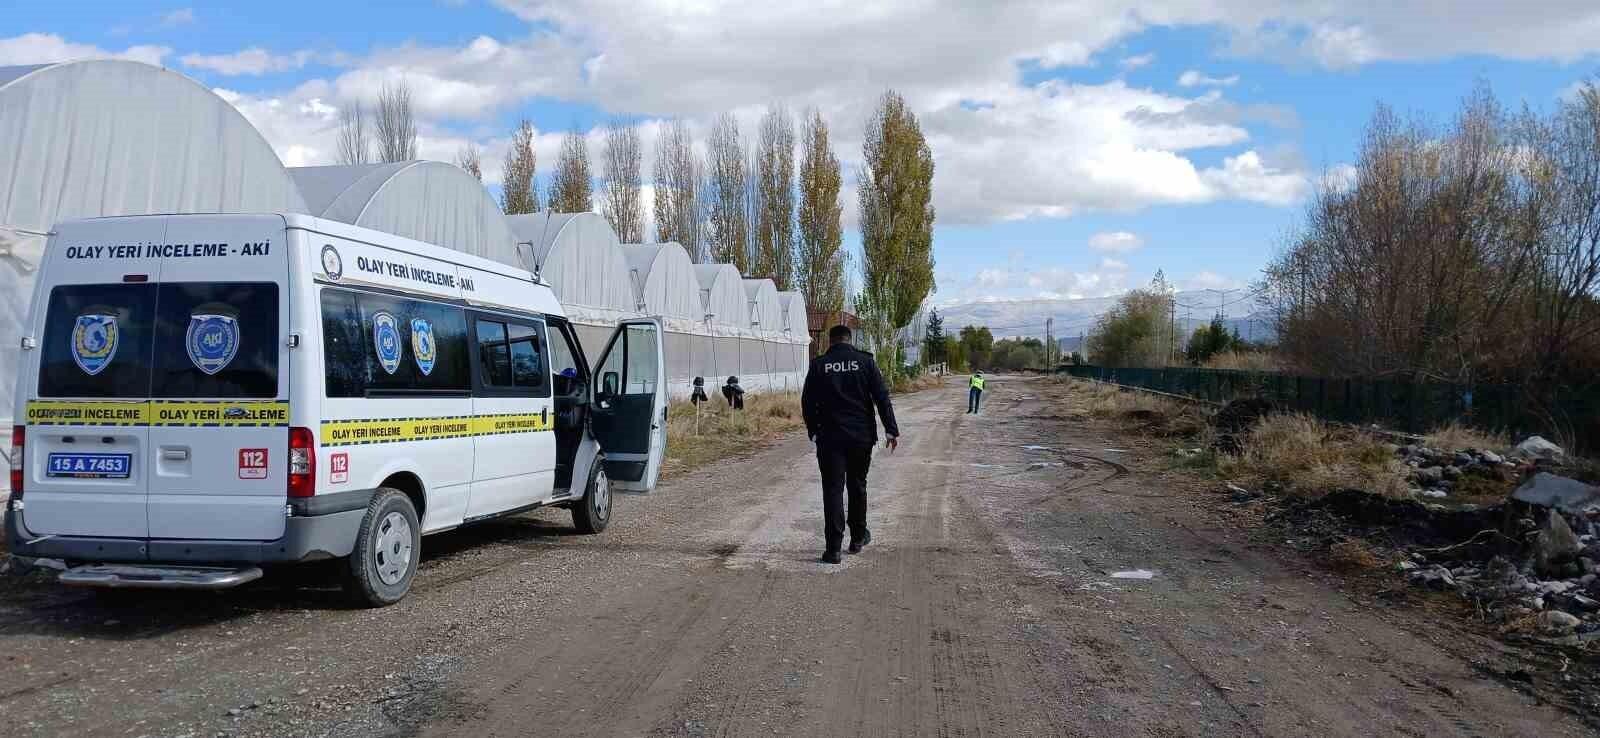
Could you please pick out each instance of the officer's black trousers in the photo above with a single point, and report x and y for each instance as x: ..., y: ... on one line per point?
x: 843, y: 466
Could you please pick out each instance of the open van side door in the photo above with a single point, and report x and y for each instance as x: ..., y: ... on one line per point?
x: 628, y: 411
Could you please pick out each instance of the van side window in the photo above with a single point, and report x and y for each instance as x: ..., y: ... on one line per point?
x: 511, y: 358
x: 563, y: 362
x: 431, y: 356
x: 97, y: 341
x: 494, y: 354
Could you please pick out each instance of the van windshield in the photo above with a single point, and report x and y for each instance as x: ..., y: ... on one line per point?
x: 174, y: 340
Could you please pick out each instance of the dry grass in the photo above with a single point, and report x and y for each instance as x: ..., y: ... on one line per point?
x: 1458, y: 437
x: 1353, y: 556
x: 1250, y: 361
x: 1142, y: 412
x: 903, y: 385
x: 1307, y: 457
x: 725, y: 433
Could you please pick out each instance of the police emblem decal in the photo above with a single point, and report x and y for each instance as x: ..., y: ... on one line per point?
x: 386, y: 341
x: 422, y: 344
x: 94, y: 341
x: 332, y: 265
x: 212, y: 340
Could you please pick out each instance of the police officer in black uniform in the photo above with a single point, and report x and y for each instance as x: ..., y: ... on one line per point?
x: 842, y: 389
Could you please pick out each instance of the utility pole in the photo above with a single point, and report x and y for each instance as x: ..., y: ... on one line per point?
x: 1049, y: 340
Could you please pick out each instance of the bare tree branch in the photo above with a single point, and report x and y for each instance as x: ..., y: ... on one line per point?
x: 623, y: 204
x: 396, y: 125
x: 355, y: 145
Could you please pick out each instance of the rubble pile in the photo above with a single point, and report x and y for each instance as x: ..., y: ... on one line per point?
x: 1435, y: 474
x: 1543, y: 578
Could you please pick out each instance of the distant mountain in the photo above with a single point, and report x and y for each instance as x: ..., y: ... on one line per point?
x: 1017, y: 318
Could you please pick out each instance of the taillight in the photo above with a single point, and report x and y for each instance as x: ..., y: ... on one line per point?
x: 18, y: 435
x: 302, y: 463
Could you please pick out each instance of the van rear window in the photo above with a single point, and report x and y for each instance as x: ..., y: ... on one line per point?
x: 181, y: 340
x: 97, y: 341
x: 216, y: 340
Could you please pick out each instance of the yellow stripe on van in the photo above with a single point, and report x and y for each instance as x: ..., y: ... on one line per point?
x: 161, y: 413
x: 42, y: 412
x: 365, y: 431
x: 494, y: 425
x: 206, y: 414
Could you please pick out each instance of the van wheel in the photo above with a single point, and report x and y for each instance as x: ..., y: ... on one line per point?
x: 591, y: 513
x: 384, y: 562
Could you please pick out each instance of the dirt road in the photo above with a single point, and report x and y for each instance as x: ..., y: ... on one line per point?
x: 995, y: 600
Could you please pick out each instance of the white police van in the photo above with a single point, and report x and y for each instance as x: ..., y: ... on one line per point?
x: 207, y: 394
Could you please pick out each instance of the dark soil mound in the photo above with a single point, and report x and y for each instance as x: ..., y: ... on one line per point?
x: 1241, y: 415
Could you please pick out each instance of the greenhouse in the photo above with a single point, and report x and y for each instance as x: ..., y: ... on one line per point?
x: 99, y: 138
x: 577, y: 253
x: 93, y: 138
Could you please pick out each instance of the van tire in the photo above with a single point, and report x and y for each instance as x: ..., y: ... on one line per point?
x: 592, y: 513
x: 376, y: 578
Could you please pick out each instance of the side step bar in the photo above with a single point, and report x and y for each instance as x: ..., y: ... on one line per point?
x: 158, y: 577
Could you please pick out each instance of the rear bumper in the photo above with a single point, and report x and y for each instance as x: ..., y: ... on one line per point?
x: 305, y: 538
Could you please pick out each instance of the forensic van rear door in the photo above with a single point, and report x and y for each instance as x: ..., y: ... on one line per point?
x: 86, y: 380
x: 217, y: 456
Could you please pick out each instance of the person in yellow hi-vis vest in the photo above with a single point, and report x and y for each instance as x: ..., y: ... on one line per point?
x: 975, y: 396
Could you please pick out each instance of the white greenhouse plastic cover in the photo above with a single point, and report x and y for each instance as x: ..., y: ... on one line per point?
x: 578, y: 255
x: 795, y: 322
x: 664, y: 278
x: 98, y: 138
x: 429, y: 201
x: 722, y: 294
x: 766, y: 313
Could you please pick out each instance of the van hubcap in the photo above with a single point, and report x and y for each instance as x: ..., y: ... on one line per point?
x: 602, y: 496
x: 392, y: 552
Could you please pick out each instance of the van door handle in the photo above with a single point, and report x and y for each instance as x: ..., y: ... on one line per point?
x: 175, y: 454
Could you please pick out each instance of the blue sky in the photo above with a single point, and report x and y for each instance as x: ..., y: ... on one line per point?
x: 1080, y: 147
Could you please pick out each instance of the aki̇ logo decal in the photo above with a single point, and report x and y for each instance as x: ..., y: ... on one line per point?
x: 422, y: 345
x: 213, y: 338
x: 386, y: 341
x: 94, y: 341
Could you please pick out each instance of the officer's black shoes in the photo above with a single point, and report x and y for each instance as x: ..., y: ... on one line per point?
x: 832, y: 557
x: 856, y: 546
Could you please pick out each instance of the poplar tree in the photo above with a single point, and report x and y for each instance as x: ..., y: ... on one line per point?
x: 518, y: 193
x: 820, y: 256
x: 677, y: 189
x: 726, y: 199
x: 622, y: 193
x: 774, y: 246
x: 570, y: 188
x: 896, y: 199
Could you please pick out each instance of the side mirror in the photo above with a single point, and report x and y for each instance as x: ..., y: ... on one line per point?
x: 609, y: 383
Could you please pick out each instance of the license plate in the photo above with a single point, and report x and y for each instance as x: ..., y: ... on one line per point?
x: 90, y: 466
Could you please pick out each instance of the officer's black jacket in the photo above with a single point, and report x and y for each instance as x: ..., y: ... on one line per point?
x: 842, y: 388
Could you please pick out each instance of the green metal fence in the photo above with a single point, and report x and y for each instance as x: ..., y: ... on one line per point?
x: 1395, y: 404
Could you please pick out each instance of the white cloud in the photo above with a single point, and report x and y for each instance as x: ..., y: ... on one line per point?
x: 1131, y: 63
x: 1193, y: 78
x: 254, y: 61
x: 1116, y: 242
x: 1248, y: 177
x: 992, y: 278
x: 182, y: 17
x: 45, y: 48
x: 1113, y: 265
